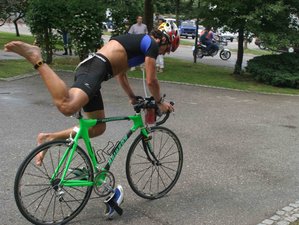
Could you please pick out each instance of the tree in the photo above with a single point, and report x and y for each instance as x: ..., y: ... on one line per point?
x: 13, y: 9
x: 124, y: 13
x: 42, y: 22
x: 84, y: 24
x: 82, y: 19
x: 277, y: 24
x: 256, y: 16
x: 148, y: 14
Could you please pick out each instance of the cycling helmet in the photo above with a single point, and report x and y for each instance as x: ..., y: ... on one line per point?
x: 171, y: 32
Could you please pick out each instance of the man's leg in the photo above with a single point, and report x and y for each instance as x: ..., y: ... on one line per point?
x: 93, y: 132
x: 68, y: 101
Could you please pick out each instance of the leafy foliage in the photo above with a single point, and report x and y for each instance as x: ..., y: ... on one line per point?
x: 84, y: 25
x: 12, y: 9
x: 42, y: 22
x: 270, y: 20
x: 277, y: 70
x: 81, y: 18
x: 124, y: 13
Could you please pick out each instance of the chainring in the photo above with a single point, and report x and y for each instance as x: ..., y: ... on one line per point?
x: 104, y: 183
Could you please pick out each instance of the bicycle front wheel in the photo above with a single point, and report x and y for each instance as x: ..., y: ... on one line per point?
x: 42, y: 201
x: 153, y: 173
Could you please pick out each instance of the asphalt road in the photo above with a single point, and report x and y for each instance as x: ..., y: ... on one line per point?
x: 184, y: 52
x: 240, y: 153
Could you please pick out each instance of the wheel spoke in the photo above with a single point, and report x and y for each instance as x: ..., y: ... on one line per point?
x: 153, y: 170
x: 33, y: 193
x: 39, y: 169
x: 46, y: 212
x: 165, y: 156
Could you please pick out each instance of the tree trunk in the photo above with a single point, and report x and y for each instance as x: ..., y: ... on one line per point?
x: 15, y: 21
x: 148, y: 14
x: 48, y: 47
x: 177, y: 11
x: 196, y: 37
x: 196, y: 41
x: 238, y: 66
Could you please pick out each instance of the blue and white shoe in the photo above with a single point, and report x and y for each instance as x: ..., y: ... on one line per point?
x: 114, y: 201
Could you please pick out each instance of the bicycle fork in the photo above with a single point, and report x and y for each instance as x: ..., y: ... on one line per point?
x: 148, y: 149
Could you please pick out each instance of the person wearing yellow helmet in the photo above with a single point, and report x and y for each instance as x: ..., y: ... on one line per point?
x: 170, y: 32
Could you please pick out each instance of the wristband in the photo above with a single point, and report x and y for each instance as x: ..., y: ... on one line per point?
x: 38, y: 64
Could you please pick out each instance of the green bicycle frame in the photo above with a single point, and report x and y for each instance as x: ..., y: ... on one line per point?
x: 85, y: 124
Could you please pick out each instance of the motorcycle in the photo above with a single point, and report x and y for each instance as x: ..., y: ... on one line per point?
x: 260, y: 44
x: 202, y: 51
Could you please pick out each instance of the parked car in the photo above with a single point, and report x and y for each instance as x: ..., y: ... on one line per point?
x: 200, y: 29
x: 188, y: 29
x: 170, y: 20
x: 226, y: 34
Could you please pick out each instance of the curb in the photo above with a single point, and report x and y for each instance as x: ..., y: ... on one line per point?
x: 285, y: 216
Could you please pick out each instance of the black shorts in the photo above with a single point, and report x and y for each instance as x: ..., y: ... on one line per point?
x: 89, y: 76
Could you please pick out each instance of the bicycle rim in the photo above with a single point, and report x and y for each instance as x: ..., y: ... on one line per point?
x: 153, y: 180
x: 41, y: 201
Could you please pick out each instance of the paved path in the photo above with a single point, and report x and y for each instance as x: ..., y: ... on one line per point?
x: 240, y: 153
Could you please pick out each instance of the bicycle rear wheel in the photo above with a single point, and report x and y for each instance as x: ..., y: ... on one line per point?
x: 44, y: 202
x: 152, y: 178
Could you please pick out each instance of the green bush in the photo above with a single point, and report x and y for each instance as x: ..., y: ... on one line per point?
x: 278, y: 70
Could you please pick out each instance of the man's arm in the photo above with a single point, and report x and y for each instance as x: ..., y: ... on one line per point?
x: 131, y: 31
x: 153, y: 84
x: 151, y: 78
x: 124, y: 83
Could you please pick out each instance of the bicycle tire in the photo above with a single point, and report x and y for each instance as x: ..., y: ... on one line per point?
x: 33, y: 181
x: 148, y: 185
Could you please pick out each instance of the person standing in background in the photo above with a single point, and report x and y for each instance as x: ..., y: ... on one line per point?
x: 139, y: 27
x: 66, y: 43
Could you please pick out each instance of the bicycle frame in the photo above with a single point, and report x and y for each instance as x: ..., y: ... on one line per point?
x: 85, y: 124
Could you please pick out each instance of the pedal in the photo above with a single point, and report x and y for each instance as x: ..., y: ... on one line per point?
x: 114, y: 201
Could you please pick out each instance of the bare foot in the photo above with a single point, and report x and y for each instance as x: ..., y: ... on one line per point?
x: 42, y: 138
x: 30, y: 52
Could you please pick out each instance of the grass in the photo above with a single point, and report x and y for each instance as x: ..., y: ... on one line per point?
x: 7, y: 37
x: 256, y: 52
x: 10, y: 68
x: 185, y: 42
x: 176, y: 70
x: 188, y: 72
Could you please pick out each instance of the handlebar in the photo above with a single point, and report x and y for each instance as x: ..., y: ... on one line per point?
x: 149, y: 103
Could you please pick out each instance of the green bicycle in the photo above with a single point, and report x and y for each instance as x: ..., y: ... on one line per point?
x: 57, y: 191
